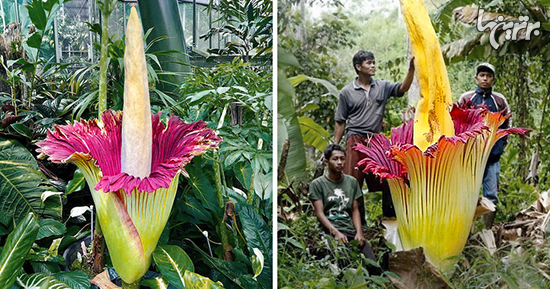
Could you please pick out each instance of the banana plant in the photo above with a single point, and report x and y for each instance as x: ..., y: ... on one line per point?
x: 131, y: 161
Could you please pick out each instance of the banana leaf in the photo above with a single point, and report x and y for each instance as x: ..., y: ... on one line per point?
x: 289, y: 127
x: 313, y: 134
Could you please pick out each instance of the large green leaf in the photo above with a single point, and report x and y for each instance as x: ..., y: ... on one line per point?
x: 76, y: 184
x: 286, y: 59
x: 40, y: 280
x: 74, y: 279
x: 203, y: 190
x: 196, y: 281
x: 35, y: 40
x: 256, y: 232
x: 313, y: 134
x: 49, y: 227
x: 196, y: 211
x: 243, y: 172
x: 45, y: 267
x: 258, y: 235
x: 18, y: 245
x: 172, y: 262
x: 155, y: 283
x: 296, y: 80
x: 288, y: 122
x: 37, y: 13
x: 20, y: 184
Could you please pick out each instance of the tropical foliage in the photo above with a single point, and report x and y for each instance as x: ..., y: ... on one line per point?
x: 249, y: 23
x: 219, y: 231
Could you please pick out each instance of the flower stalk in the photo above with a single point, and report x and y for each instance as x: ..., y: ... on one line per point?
x: 222, y: 228
x: 106, y: 7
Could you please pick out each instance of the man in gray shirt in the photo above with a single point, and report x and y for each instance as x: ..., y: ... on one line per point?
x: 361, y: 104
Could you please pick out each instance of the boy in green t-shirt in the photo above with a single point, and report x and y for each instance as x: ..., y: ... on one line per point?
x: 334, y: 197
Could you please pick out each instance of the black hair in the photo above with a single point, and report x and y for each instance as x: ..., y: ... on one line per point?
x: 360, y: 57
x: 332, y: 147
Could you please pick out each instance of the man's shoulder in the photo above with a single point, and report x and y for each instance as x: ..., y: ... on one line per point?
x: 379, y: 81
x: 317, y: 188
x: 502, y: 103
x: 318, y: 180
x: 498, y: 94
x: 348, y: 88
x: 467, y: 94
x: 351, y: 180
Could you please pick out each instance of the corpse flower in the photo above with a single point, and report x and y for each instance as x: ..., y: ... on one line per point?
x: 131, y: 162
x: 434, y: 165
x: 435, y: 192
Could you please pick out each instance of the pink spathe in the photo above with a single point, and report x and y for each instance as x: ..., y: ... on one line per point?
x: 174, y: 145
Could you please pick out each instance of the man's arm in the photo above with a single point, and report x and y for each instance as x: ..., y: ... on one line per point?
x: 339, y: 128
x: 406, y: 84
x: 319, y: 211
x: 356, y: 217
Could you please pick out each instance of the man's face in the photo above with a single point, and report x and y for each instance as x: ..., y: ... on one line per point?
x: 367, y: 67
x: 336, y: 161
x: 485, y: 79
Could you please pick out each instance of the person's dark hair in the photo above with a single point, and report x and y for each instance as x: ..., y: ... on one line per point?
x: 361, y: 56
x: 332, y: 147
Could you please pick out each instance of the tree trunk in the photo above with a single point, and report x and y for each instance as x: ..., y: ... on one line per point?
x: 521, y: 115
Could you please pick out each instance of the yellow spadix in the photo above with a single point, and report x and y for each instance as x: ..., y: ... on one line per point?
x: 432, y: 118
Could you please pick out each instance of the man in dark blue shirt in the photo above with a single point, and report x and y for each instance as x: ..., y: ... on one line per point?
x: 495, y: 102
